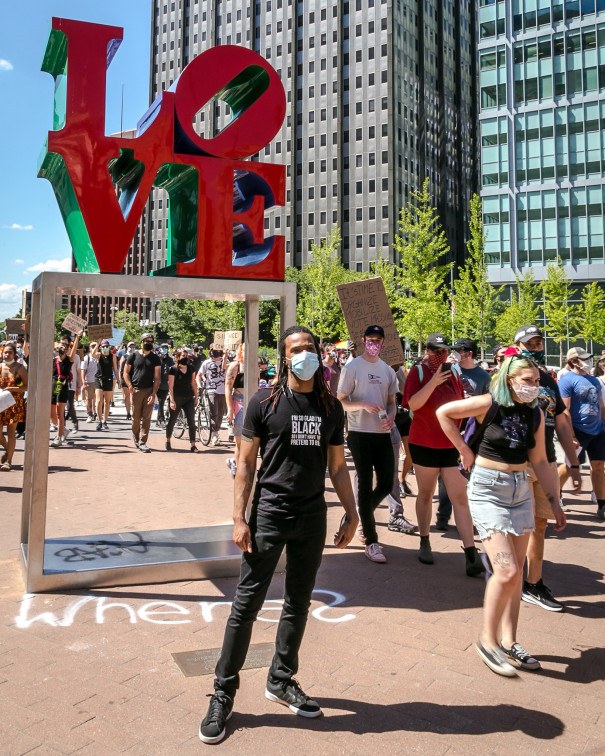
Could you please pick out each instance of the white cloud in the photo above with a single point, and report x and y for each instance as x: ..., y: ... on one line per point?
x: 19, y: 262
x: 59, y: 266
x: 10, y: 300
x: 19, y: 227
x: 5, y: 65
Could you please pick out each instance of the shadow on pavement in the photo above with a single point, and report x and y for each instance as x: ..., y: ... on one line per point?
x: 586, y: 668
x: 360, y: 717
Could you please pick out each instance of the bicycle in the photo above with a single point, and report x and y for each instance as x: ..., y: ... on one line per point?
x: 180, y: 425
x: 202, y: 419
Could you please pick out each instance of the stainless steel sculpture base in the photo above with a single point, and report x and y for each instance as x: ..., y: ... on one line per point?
x: 122, y: 558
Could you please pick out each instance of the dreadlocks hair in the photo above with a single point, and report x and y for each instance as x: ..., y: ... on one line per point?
x: 320, y: 387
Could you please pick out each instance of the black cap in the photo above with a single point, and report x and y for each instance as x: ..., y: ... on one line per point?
x: 469, y: 344
x: 436, y: 341
x: 374, y: 330
x: 527, y: 332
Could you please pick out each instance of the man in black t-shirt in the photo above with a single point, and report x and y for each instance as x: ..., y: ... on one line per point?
x: 142, y: 374
x: 299, y: 428
x: 530, y: 341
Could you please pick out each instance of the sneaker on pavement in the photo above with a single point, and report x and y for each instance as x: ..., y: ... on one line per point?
x: 404, y: 489
x: 601, y: 511
x: 230, y: 462
x: 135, y: 440
x: 520, y: 656
x: 290, y: 694
x: 105, y: 426
x: 399, y: 524
x: 495, y: 659
x: 53, y: 429
x: 74, y: 431
x: 425, y: 553
x: 57, y: 441
x: 144, y: 448
x: 540, y: 595
x: 90, y: 419
x: 212, y: 726
x: 215, y: 440
x: 99, y: 426
x: 374, y: 553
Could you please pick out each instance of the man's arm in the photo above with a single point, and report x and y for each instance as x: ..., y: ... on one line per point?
x: 244, y: 481
x: 157, y: 377
x: 341, y: 480
x: 565, y: 435
x: 127, y: 369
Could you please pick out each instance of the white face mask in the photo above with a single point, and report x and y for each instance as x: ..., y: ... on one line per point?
x: 586, y: 364
x: 525, y: 394
x: 455, y: 356
x: 9, y: 362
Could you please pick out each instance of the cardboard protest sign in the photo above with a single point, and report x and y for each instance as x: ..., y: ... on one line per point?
x: 117, y: 336
x: 74, y: 324
x: 232, y: 340
x: 15, y: 326
x: 365, y: 303
x: 219, y: 340
x: 98, y: 332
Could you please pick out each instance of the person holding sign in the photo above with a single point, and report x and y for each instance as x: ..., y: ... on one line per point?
x: 62, y: 376
x: 367, y: 390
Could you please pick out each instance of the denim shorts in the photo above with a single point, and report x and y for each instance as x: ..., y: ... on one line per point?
x: 500, y: 502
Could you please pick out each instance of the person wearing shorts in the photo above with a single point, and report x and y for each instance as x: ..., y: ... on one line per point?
x: 234, y: 395
x: 432, y: 452
x: 500, y: 498
x: 583, y: 396
x: 107, y: 370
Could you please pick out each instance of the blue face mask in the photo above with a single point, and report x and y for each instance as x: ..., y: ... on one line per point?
x: 304, y: 365
x: 536, y: 356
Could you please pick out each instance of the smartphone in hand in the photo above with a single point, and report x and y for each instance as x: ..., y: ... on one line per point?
x: 446, y: 367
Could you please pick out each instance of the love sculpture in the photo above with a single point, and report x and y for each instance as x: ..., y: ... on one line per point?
x: 216, y: 198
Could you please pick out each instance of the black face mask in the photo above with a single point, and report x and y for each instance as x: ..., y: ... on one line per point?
x: 183, y: 361
x: 147, y: 346
x: 61, y: 350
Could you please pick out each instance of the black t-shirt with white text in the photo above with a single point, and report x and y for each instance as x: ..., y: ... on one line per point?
x: 551, y: 404
x: 294, y: 439
x: 142, y: 369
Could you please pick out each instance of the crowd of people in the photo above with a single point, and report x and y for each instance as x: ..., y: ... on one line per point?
x: 484, y: 439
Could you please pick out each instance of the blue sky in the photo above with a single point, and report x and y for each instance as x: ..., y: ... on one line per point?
x: 32, y: 234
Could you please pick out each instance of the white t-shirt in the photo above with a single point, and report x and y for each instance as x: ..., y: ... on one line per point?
x: 75, y: 373
x: 89, y: 365
x: 363, y: 381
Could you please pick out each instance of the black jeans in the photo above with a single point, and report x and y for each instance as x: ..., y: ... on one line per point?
x: 444, y: 511
x: 70, y: 408
x: 187, y: 404
x: 218, y: 405
x: 161, y: 397
x: 371, y: 452
x: 303, y: 538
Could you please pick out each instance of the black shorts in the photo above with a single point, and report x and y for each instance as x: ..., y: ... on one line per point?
x: 403, y: 421
x: 425, y: 456
x: 594, y: 446
x: 104, y: 384
x: 63, y: 395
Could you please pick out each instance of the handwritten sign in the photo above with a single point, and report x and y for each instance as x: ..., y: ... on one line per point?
x: 365, y: 303
x: 219, y: 340
x: 74, y: 324
x: 98, y: 332
x: 15, y: 326
x: 232, y: 339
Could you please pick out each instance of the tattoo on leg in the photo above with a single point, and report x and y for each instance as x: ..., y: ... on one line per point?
x: 503, y: 559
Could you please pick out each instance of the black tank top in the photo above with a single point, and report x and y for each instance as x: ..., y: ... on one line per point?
x: 105, y: 368
x: 510, y: 435
x: 238, y: 383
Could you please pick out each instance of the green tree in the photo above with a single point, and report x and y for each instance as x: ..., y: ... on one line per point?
x: 318, y: 304
x: 521, y: 310
x: 557, y: 311
x: 60, y: 316
x: 422, y: 246
x: 476, y: 303
x: 390, y: 273
x: 133, y: 330
x: 589, y: 316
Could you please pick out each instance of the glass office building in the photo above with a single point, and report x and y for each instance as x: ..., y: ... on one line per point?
x: 542, y: 121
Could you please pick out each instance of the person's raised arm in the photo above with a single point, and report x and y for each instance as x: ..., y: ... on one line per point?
x: 74, y: 348
x: 244, y: 481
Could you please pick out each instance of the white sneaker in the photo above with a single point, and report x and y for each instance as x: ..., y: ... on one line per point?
x: 230, y: 462
x: 90, y: 419
x: 374, y: 553
x: 57, y: 441
x: 215, y: 440
x: 53, y: 428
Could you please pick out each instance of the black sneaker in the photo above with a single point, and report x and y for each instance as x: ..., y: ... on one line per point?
x: 540, y: 595
x: 520, y: 656
x: 425, y: 553
x: 290, y: 694
x: 212, y: 726
x: 495, y: 659
x: 404, y: 489
x: 601, y: 511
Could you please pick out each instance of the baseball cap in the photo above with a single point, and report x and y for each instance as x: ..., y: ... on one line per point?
x: 469, y: 344
x: 527, y: 332
x: 130, y: 343
x: 577, y: 353
x: 104, y: 343
x: 374, y: 330
x: 146, y: 336
x: 436, y: 341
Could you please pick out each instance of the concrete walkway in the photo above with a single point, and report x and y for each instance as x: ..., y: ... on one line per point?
x: 388, y: 650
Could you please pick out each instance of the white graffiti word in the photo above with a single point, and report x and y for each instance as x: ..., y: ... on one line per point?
x: 161, y: 612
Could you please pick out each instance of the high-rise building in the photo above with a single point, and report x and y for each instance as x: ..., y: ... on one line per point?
x: 542, y: 127
x: 380, y: 94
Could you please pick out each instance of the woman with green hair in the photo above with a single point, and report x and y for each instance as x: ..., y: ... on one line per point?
x: 511, y: 434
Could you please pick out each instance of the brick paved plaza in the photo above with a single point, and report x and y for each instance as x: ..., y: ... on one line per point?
x: 388, y: 650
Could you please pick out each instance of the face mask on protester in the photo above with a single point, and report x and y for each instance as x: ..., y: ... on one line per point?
x: 535, y: 356
x: 148, y: 346
x: 304, y: 365
x: 8, y: 363
x: 374, y: 348
x: 164, y: 351
x: 183, y: 361
x: 586, y: 364
x: 436, y: 359
x: 105, y: 350
x: 525, y: 393
x: 61, y: 350
x: 455, y: 356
